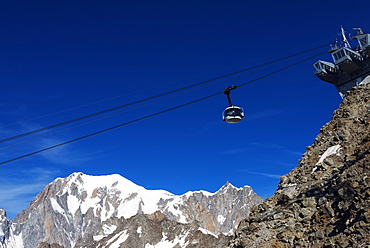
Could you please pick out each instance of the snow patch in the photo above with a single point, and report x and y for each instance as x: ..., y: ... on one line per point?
x: 14, y: 241
x: 221, y: 219
x: 2, y: 234
x: 98, y: 237
x: 165, y: 243
x: 205, y: 231
x: 55, y: 205
x: 73, y: 203
x: 117, y: 240
x: 330, y: 151
x: 107, y: 229
x: 139, y: 231
x: 205, y: 193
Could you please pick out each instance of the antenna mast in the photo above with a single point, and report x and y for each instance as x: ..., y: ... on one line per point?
x: 345, y: 41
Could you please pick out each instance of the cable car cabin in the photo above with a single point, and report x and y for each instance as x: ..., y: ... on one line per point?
x: 326, y: 71
x: 348, y: 60
x: 233, y: 114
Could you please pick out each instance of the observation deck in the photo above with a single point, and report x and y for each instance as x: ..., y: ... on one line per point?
x: 351, y: 66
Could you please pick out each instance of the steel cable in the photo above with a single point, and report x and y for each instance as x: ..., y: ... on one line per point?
x: 151, y: 115
x: 152, y: 97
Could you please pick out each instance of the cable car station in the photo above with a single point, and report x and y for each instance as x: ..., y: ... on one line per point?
x: 351, y: 65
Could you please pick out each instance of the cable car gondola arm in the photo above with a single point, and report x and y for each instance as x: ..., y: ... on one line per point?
x: 227, y: 92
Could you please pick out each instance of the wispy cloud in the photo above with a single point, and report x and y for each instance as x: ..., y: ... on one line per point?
x: 65, y: 154
x: 234, y: 151
x: 68, y: 154
x: 262, y: 147
x: 16, y: 192
x: 59, y: 155
x: 264, y: 114
x: 208, y: 127
x: 277, y: 147
x: 263, y: 174
x: 19, y: 110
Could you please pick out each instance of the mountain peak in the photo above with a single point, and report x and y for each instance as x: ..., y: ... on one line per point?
x: 89, y: 183
x: 226, y: 186
x: 229, y: 186
x: 2, y: 213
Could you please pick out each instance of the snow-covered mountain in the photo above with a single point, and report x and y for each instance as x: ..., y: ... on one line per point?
x: 72, y: 208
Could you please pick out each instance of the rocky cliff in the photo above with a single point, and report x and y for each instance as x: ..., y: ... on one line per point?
x: 6, y: 230
x: 73, y: 208
x: 324, y: 202
x: 4, y: 227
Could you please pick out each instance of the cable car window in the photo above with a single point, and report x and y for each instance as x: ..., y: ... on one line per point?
x: 342, y: 53
x: 335, y: 56
x: 231, y: 112
x: 363, y: 41
x: 234, y: 111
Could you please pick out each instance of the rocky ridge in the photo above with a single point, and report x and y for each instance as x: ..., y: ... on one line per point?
x: 154, y: 230
x: 324, y: 202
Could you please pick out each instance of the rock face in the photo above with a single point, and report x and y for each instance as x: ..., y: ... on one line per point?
x: 46, y: 245
x: 219, y: 212
x: 4, y: 227
x: 6, y: 230
x: 150, y: 231
x: 74, y: 207
x: 324, y: 202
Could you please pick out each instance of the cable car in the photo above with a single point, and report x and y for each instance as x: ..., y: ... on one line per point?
x: 232, y: 114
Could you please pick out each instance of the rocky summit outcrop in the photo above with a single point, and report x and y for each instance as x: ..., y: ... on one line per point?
x: 324, y: 202
x: 72, y: 208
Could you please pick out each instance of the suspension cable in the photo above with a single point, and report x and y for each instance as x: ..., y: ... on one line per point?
x: 151, y: 115
x: 105, y: 117
x: 102, y: 118
x: 152, y: 97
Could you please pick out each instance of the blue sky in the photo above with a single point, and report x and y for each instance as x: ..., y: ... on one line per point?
x: 61, y: 55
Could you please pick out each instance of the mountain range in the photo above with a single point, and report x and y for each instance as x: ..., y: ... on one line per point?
x: 110, y: 211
